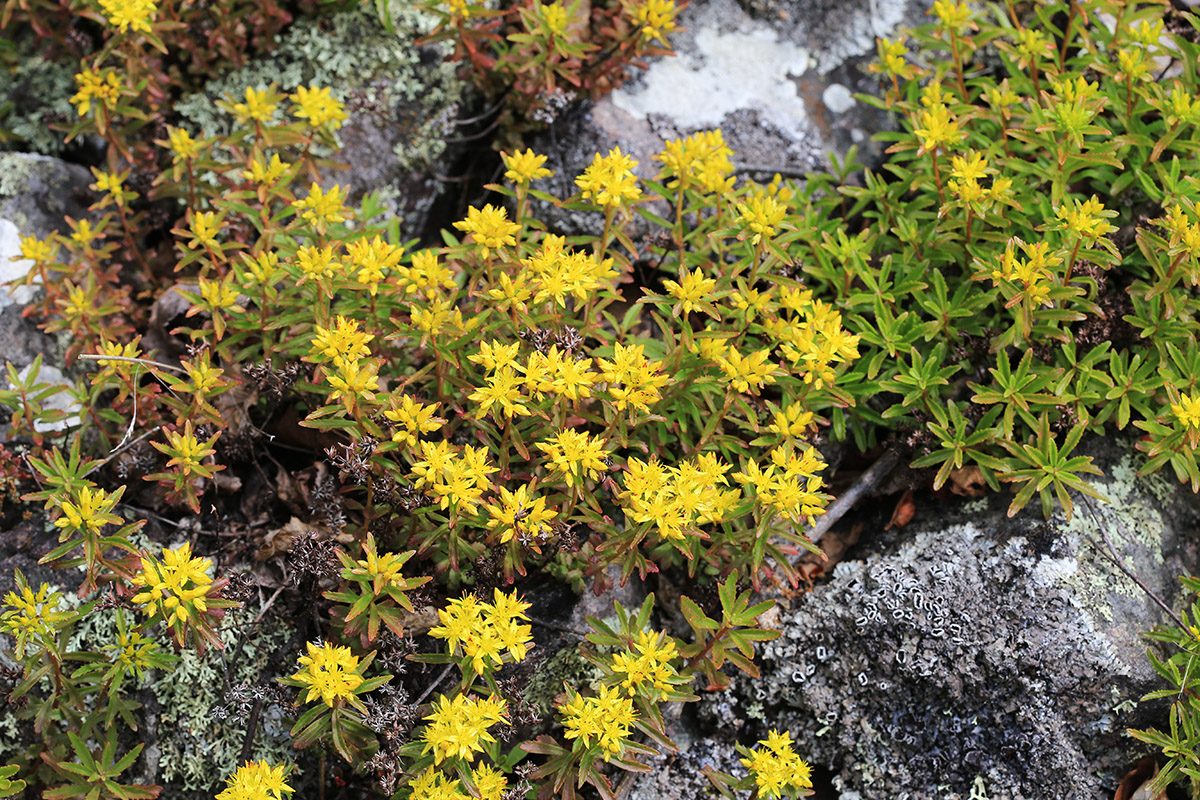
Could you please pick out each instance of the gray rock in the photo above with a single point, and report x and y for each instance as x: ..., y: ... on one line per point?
x: 35, y: 194
x: 777, y: 76
x: 402, y: 101
x: 973, y: 655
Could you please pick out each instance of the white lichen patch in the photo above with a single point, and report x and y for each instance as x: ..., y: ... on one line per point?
x: 1134, y: 529
x: 749, y: 68
x: 12, y: 266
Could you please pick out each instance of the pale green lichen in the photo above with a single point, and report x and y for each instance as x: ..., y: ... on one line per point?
x: 566, y: 666
x: 371, y: 70
x: 35, y: 93
x: 1133, y: 528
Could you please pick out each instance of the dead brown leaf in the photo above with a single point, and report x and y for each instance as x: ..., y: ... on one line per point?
x: 904, y: 511
x: 1136, y: 784
x: 834, y: 545
x: 967, y: 482
x: 279, y: 541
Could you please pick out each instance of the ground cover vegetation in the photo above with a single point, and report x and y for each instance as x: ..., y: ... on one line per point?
x: 510, y: 406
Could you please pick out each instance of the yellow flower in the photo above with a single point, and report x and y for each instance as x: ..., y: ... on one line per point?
x: 182, y: 145
x: 90, y: 511
x: 893, y: 60
x: 373, y: 258
x: 342, y: 343
x: 432, y: 784
x: 554, y: 18
x: 317, y: 106
x: 104, y: 87
x: 527, y: 166
x: 39, y: 251
x: 489, y: 227
x: 951, y: 15
x: 490, y: 782
x: 1187, y: 411
x: 602, y: 721
x: 657, y: 18
x: 315, y: 263
x: 126, y: 14
x: 761, y: 214
x: 219, y: 294
x: 412, y: 419
x: 203, y: 228
x: 1088, y: 220
x: 792, y: 421
x: 519, y: 514
x: 701, y: 161
x: 575, y: 454
x: 609, y: 180
x: 265, y: 173
x: 691, y: 290
x: 457, y: 479
x: 189, y: 452
x: 632, y: 379
x: 776, y: 767
x: 937, y: 129
x: 458, y: 726
x: 330, y: 673
x: 30, y: 614
x: 127, y: 350
x: 483, y: 632
x: 649, y: 669
x: 256, y: 780
x: 175, y: 587
x: 789, y: 485
x: 260, y: 106
x: 503, y: 389
x: 322, y: 208
x: 354, y: 380
x: 427, y: 275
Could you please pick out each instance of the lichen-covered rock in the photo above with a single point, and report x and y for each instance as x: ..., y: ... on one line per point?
x: 35, y: 193
x: 973, y: 653
x: 778, y: 77
x: 402, y: 100
x: 37, y: 94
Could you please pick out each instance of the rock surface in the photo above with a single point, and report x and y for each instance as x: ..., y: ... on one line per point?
x: 777, y: 76
x: 35, y: 193
x: 970, y: 655
x: 402, y: 101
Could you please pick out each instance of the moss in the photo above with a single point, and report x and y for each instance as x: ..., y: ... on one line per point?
x: 364, y: 66
x: 39, y: 93
x: 565, y: 666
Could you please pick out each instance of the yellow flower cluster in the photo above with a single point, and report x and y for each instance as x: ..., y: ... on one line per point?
x: 330, y: 673
x: 553, y: 372
x: 104, y: 87
x: 260, y: 105
x: 657, y: 18
x: 811, y: 336
x: 575, y: 454
x: 701, y: 161
x: 519, y: 514
x: 382, y: 569
x: 632, y: 379
x: 322, y: 208
x: 39, y: 251
x: 790, y: 484
x: 691, y: 290
x: 523, y: 168
x: 30, y: 614
x: 1034, y: 273
x: 967, y: 173
x: 1187, y: 411
x: 256, y: 780
x: 458, y: 726
x: 1087, y: 219
x: 761, y: 215
x: 609, y: 180
x: 126, y: 14
x: 188, y: 451
x: 412, y: 419
x: 649, y: 668
x: 426, y: 276
x: 343, y: 343
x: 263, y: 172
x: 89, y: 511
x: 678, y: 498
x: 432, y: 784
x: 175, y: 587
x: 553, y: 273
x: 893, y: 60
x: 490, y: 228
x: 132, y: 650
x: 317, y: 106
x: 457, y: 479
x: 602, y: 721
x: 374, y: 259
x: 747, y: 373
x: 937, y: 129
x: 182, y: 145
x: 791, y: 422
x: 776, y: 767
x: 485, y: 631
